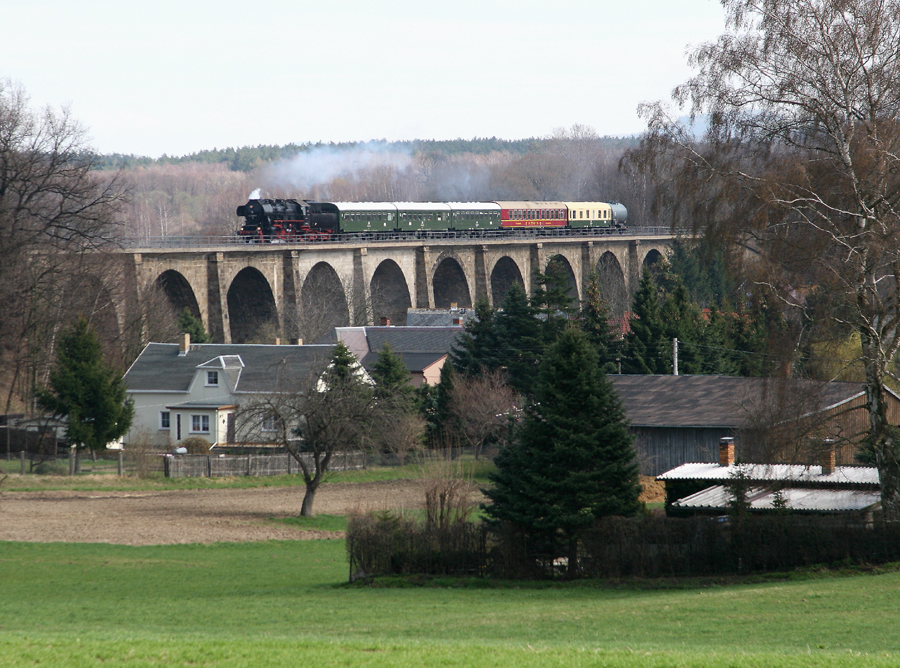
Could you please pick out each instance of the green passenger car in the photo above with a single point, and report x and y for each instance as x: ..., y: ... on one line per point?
x: 475, y: 215
x: 367, y: 216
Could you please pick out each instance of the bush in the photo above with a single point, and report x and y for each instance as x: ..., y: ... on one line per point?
x: 52, y: 467
x: 389, y: 544
x: 195, y: 445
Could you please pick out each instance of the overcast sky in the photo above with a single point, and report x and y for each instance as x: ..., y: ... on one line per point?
x: 179, y: 76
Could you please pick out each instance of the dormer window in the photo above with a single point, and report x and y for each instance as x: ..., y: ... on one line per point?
x: 212, y: 378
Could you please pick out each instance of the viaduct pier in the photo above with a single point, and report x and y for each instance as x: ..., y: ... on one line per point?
x: 300, y: 290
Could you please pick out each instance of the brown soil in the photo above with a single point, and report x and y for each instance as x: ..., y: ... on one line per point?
x: 193, y: 516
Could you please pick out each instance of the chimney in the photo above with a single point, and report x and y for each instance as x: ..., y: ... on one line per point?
x: 277, y: 340
x: 184, y: 346
x: 296, y: 342
x: 452, y: 306
x: 457, y: 322
x: 385, y: 321
x: 726, y: 451
x: 828, y: 456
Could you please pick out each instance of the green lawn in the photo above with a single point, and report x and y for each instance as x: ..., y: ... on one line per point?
x: 287, y: 604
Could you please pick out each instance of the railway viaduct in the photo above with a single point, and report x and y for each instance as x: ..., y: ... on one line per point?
x: 247, y: 293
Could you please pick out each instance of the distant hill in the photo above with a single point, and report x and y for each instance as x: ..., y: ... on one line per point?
x: 248, y: 158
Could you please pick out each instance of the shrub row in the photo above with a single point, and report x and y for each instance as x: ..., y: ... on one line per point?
x: 617, y: 547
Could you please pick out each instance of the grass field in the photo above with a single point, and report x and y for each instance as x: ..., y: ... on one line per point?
x: 286, y: 604
x: 105, y: 478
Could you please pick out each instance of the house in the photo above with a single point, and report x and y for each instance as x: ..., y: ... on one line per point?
x: 183, y: 389
x: 679, y: 419
x: 822, y: 489
x: 424, y: 350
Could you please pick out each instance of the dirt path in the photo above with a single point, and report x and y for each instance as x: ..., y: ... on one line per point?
x: 187, y: 516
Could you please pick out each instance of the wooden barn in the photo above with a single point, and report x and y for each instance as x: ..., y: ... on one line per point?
x: 681, y: 419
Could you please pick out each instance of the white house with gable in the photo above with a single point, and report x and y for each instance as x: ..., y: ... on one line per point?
x: 181, y: 390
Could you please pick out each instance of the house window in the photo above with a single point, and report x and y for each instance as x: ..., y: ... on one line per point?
x: 165, y: 419
x: 212, y: 378
x: 200, y: 424
x: 269, y: 423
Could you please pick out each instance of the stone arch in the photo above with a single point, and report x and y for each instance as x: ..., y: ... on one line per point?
x: 178, y: 291
x: 503, y: 276
x: 450, y: 284
x: 560, y: 264
x: 652, y: 260
x: 323, y: 303
x: 252, y: 312
x: 612, y: 283
x: 389, y: 293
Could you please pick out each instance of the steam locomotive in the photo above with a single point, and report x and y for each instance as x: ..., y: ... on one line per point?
x: 267, y: 220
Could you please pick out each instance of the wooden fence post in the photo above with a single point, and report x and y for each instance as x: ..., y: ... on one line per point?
x: 22, y: 461
x: 121, y: 463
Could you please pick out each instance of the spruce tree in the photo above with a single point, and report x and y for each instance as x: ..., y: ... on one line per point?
x: 573, y: 461
x: 86, y: 391
x: 595, y: 324
x: 520, y: 339
x: 391, y: 377
x: 188, y: 324
x: 478, y: 348
x: 552, y: 301
x: 645, y: 347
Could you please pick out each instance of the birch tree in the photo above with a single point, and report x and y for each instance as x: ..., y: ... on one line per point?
x: 798, y: 169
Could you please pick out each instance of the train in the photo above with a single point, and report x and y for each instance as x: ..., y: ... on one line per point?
x: 285, y: 220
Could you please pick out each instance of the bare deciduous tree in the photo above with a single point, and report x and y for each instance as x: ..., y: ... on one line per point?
x: 315, y: 419
x: 55, y: 211
x: 479, y: 406
x: 800, y: 162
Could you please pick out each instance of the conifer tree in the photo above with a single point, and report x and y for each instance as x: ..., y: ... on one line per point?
x: 86, y: 391
x: 391, y: 376
x: 478, y: 348
x: 573, y: 461
x: 645, y: 348
x: 520, y: 339
x: 188, y: 324
x: 595, y: 324
x: 552, y: 302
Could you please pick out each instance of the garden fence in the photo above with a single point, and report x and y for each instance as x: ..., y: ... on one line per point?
x: 218, y: 466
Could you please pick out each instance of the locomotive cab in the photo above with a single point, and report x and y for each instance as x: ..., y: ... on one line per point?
x: 271, y: 219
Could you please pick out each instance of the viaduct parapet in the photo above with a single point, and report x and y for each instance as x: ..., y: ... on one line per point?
x: 255, y: 292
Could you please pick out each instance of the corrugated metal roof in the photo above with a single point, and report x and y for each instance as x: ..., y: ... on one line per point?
x: 842, y: 475
x: 809, y: 500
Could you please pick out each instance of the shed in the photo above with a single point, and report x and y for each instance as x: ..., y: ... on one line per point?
x: 679, y: 419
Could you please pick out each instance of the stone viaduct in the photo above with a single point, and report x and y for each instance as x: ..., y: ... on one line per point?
x: 248, y: 293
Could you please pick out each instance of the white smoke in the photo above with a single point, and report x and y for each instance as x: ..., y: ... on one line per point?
x: 255, y: 194
x: 321, y: 165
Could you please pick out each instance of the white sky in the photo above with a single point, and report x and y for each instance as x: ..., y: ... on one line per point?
x: 179, y: 76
